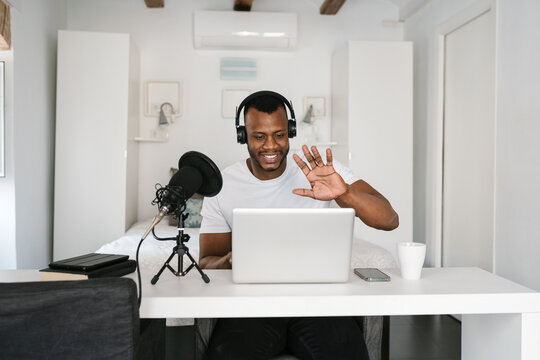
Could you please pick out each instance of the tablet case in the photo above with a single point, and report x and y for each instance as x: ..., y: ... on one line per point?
x: 114, y: 270
x: 88, y: 262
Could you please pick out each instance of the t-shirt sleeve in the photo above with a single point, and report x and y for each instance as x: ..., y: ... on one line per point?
x: 213, y: 220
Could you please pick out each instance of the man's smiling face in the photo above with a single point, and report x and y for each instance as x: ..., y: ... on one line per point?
x: 268, y: 142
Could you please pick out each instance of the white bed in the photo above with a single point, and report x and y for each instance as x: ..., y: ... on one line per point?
x: 153, y: 253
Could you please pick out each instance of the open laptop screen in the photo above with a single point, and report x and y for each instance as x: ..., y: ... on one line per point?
x: 291, y: 245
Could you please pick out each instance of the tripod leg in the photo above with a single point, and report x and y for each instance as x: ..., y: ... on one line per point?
x: 156, y: 277
x: 194, y: 263
x: 181, y: 253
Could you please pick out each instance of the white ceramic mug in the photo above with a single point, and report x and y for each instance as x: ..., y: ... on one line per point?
x: 411, y: 257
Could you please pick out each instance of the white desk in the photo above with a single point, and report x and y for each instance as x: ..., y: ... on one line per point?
x: 501, y: 319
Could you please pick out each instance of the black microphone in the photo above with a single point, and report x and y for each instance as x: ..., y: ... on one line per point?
x: 196, y: 173
x: 183, y: 184
x: 189, y: 179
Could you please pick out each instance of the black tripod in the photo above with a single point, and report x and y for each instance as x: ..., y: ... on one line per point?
x: 180, y: 249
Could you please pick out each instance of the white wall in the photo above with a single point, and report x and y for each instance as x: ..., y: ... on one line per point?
x: 372, y: 123
x: 517, y: 245
x: 8, y: 255
x: 164, y: 37
x: 518, y: 129
x: 421, y: 29
x: 7, y: 184
x: 28, y: 187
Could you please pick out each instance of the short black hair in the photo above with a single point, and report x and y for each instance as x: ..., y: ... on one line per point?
x: 264, y: 103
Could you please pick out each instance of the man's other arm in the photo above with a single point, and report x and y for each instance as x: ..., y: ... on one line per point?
x: 327, y: 184
x: 370, y: 206
x: 215, y: 251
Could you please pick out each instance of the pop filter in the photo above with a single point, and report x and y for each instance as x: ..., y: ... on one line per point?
x: 211, y: 176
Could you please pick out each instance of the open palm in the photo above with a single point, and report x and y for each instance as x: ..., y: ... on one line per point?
x: 326, y: 183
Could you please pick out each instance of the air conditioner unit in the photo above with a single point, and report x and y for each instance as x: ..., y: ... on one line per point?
x: 244, y: 30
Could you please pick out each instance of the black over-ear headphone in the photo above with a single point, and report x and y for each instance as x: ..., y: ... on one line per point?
x: 241, y: 135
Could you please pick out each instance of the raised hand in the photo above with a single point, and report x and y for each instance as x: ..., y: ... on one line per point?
x: 326, y: 183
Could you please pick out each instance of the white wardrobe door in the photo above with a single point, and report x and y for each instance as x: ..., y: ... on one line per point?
x: 91, y: 141
x: 469, y: 134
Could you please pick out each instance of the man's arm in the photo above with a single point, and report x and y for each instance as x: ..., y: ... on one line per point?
x: 326, y: 184
x: 370, y: 206
x: 215, y: 251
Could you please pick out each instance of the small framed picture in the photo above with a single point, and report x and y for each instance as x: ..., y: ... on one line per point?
x: 318, y: 103
x: 230, y: 99
x: 159, y: 92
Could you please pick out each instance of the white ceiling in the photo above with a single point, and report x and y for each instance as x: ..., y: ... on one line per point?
x: 406, y: 8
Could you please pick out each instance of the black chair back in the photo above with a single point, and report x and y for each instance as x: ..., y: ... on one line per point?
x: 88, y: 319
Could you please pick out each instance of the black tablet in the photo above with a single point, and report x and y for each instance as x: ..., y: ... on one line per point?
x: 88, y: 262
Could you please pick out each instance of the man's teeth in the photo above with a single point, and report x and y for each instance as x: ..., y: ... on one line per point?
x: 270, y: 156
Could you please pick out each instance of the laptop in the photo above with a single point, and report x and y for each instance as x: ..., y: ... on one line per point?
x: 292, y: 245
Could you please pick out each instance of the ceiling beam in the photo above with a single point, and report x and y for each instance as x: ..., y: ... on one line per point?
x: 5, y: 27
x: 155, y: 3
x: 331, y: 7
x: 242, y: 5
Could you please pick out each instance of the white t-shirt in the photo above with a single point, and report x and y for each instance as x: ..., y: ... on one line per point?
x: 241, y: 189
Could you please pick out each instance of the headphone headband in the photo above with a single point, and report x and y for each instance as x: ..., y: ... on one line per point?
x: 241, y: 129
x: 259, y: 94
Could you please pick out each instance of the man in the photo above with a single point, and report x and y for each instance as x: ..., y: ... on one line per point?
x: 269, y: 178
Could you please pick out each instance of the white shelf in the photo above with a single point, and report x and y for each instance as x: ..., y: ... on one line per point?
x: 329, y: 143
x: 141, y: 139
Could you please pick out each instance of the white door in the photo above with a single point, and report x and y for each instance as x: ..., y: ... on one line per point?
x: 468, y: 148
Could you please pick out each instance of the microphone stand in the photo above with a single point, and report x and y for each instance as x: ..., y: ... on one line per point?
x: 180, y: 249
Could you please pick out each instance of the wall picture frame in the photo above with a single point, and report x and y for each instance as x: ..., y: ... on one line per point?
x: 158, y: 92
x: 230, y: 99
x: 319, y: 105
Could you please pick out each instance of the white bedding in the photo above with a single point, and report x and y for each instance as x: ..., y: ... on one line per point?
x: 153, y: 253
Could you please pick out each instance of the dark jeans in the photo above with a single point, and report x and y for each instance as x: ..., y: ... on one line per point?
x: 306, y: 338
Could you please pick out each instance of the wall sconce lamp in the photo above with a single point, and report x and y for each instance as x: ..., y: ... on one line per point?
x: 308, y: 118
x: 163, y: 121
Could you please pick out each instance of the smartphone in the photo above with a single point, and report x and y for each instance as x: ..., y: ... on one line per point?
x: 371, y: 274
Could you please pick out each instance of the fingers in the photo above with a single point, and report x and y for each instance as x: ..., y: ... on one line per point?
x: 308, y: 156
x: 317, y: 156
x: 304, y: 192
x: 301, y: 164
x: 314, y: 159
x: 329, y: 158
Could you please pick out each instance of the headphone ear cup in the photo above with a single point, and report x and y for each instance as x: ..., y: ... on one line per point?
x: 292, y: 128
x: 241, y: 136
